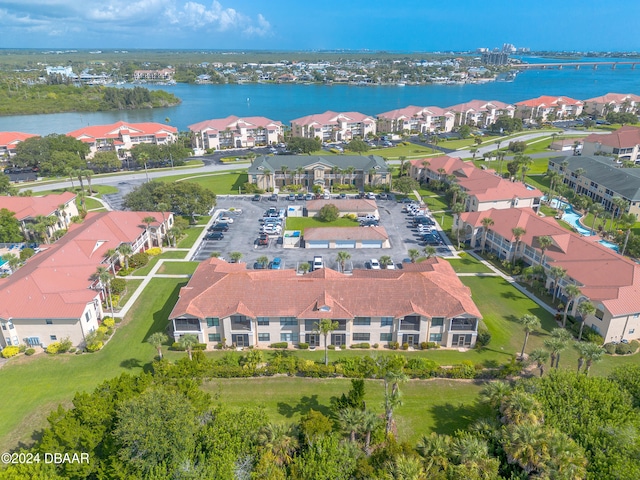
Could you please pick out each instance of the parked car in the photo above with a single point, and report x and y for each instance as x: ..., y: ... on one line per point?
x: 225, y: 219
x: 369, y: 223
x: 375, y: 264
x: 276, y: 264
x: 273, y: 197
x: 214, y: 236
x: 263, y: 239
x: 318, y: 262
x: 300, y: 196
x: 291, y: 197
x: 220, y: 227
x: 308, y: 196
x: 256, y: 198
x: 390, y: 266
x: 259, y: 266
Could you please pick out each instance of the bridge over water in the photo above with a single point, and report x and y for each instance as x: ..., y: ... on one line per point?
x: 577, y: 65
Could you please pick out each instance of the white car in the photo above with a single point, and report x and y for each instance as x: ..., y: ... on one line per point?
x: 390, y: 266
x: 225, y: 219
x: 318, y: 262
x: 375, y: 264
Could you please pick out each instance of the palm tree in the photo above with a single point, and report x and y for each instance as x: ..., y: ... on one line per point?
x: 108, y: 255
x: 518, y: 232
x: 454, y: 190
x: 125, y: 249
x: 11, y: 260
x: 299, y: 172
x: 324, y: 327
x: 495, y: 393
x: 385, y: 260
x: 596, y: 209
x: 556, y: 273
x: 620, y: 204
x: 284, y: 169
x: 104, y: 277
x: 342, y: 258
x: 406, y: 467
x: 584, y: 309
x: 413, y: 253
x: 403, y: 159
x: 263, y: 260
x: 544, y: 242
x: 79, y: 174
x: 88, y: 174
x: 430, y: 251
x: 350, y: 420
x: 392, y: 395
x: 304, y: 267
x: 627, y: 222
x: 571, y: 292
x: 148, y: 220
x: 540, y: 356
x: 521, y: 408
x: 525, y: 164
x: 530, y: 323
x: 188, y: 341
x: 556, y: 344
x: 369, y: 422
x: 592, y: 353
x: 157, y: 339
x: 70, y: 172
x: 281, y: 440
x: 63, y: 213
x: 486, y: 223
x: 235, y: 257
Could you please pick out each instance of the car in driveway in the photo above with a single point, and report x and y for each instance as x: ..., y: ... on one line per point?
x: 318, y: 262
x: 276, y: 264
x: 214, y: 236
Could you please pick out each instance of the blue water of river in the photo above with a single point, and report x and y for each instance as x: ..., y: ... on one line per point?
x: 287, y: 102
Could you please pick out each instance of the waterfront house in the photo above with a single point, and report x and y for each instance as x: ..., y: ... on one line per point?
x: 414, y: 119
x: 548, y: 109
x: 484, y: 188
x: 226, y: 303
x: 55, y: 294
x: 275, y: 171
x: 333, y: 126
x: 235, y: 132
x: 624, y: 143
x: 122, y: 136
x: 480, y: 113
x: 612, y: 102
x: 610, y: 281
x: 600, y: 179
x: 162, y: 75
x: 9, y: 142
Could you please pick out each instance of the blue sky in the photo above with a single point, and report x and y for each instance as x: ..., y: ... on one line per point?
x: 300, y: 24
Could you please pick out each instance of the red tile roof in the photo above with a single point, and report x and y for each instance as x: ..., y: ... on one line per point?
x: 31, y: 207
x: 481, y: 106
x: 625, y: 137
x: 332, y: 118
x: 55, y: 282
x: 548, y: 101
x: 233, y: 122
x: 604, y: 275
x: 430, y: 288
x: 411, y: 111
x: 115, y: 130
x: 614, y: 98
x: 11, y: 139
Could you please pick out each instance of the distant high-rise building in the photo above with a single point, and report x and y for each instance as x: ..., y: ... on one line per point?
x: 495, y: 58
x: 508, y: 48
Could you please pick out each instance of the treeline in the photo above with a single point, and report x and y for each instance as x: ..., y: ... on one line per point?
x: 23, y: 99
x: 162, y: 425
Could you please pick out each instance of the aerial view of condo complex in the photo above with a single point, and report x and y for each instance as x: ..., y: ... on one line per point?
x: 264, y: 242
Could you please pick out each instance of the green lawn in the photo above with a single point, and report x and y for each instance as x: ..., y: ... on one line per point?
x: 468, y: 264
x: 92, y: 204
x: 221, y: 183
x: 132, y: 286
x: 435, y: 202
x: 36, y: 385
x: 443, y: 406
x: 410, y: 151
x: 189, y: 237
x: 300, y: 223
x: 178, y: 268
x: 153, y: 260
x: 539, y: 181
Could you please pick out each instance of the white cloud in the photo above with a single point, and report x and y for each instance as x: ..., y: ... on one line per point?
x: 118, y: 11
x: 195, y: 15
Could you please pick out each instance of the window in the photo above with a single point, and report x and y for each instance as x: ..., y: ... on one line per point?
x: 386, y: 337
x: 361, y: 337
x: 386, y: 322
x: 213, y: 322
x: 49, y: 322
x: 53, y: 338
x: 435, y: 337
x: 632, y: 331
x: 288, y: 337
x: 33, y: 341
x: 264, y: 337
x: 214, y: 337
x: 264, y: 321
x: 8, y: 341
x: 87, y: 316
x: 437, y: 321
x: 288, y: 321
x: 362, y: 321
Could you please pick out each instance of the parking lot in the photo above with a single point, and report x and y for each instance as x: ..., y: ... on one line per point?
x: 242, y: 235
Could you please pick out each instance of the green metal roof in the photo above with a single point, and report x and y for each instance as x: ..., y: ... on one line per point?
x: 274, y: 163
x: 602, y: 170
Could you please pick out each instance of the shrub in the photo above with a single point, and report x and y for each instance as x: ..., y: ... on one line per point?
x: 123, y: 272
x: 108, y: 322
x: 328, y: 213
x: 117, y: 286
x: 22, y: 348
x: 432, y: 345
x: 30, y: 351
x: 178, y: 347
x: 152, y: 252
x: 394, y: 345
x: 115, y: 299
x: 405, y: 346
x: 610, y: 348
x: 52, y: 348
x: 624, y: 349
x: 331, y: 347
x: 94, y: 346
x: 65, y: 345
x: 360, y: 345
x: 8, y: 352
x: 634, y: 345
x: 27, y: 253
x: 303, y: 346
x: 375, y: 345
x: 423, y: 346
x: 138, y: 260
x: 279, y: 345
x: 484, y: 338
x: 118, y: 320
x: 72, y: 350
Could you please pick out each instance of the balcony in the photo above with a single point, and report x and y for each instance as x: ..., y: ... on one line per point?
x: 466, y: 324
x: 411, y: 324
x: 186, y: 325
